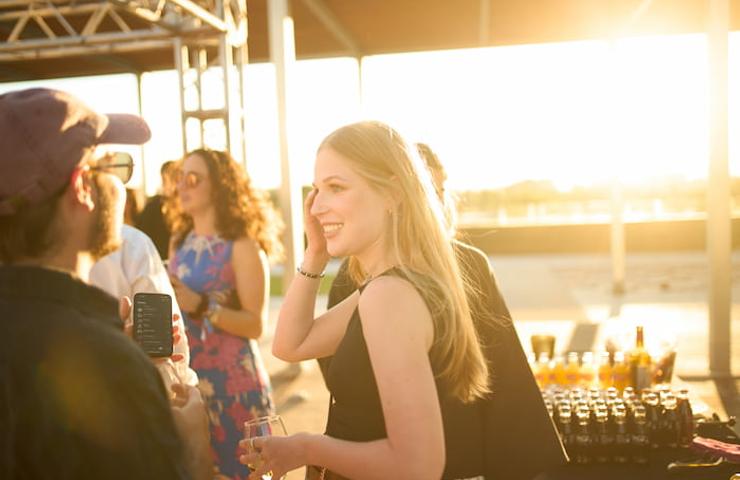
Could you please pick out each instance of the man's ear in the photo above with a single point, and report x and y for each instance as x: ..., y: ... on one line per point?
x: 80, y: 190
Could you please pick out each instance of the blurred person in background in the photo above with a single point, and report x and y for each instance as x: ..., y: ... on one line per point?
x: 516, y: 406
x: 224, y: 231
x: 79, y: 398
x: 132, y: 207
x: 152, y: 219
x: 135, y: 267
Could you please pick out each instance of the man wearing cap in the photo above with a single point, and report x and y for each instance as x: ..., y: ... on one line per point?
x: 78, y: 399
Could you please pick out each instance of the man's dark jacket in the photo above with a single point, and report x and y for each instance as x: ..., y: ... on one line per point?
x: 78, y: 399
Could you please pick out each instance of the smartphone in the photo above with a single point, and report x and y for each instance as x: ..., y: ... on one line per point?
x: 153, y: 323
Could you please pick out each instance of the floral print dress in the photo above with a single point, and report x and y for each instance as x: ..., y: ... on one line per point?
x: 232, y: 377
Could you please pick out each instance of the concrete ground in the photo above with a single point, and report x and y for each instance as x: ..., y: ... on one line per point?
x: 570, y: 297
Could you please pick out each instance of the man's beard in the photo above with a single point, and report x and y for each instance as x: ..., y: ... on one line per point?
x: 103, y: 237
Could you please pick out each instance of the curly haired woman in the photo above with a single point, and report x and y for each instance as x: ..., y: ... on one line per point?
x: 224, y: 232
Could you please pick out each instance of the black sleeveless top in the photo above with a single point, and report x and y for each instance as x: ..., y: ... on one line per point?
x: 356, y: 413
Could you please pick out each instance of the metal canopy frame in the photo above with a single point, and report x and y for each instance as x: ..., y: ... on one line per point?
x: 200, y: 35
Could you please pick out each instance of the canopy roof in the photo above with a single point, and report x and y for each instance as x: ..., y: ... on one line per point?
x: 326, y: 28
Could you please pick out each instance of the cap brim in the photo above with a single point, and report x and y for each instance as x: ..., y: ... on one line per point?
x: 125, y: 128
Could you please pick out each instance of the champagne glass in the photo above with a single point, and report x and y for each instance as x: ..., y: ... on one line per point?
x: 263, y: 427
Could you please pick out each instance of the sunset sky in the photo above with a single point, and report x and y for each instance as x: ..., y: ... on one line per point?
x: 573, y: 113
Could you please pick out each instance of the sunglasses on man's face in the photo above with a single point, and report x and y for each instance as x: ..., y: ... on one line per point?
x: 120, y: 164
x: 189, y: 179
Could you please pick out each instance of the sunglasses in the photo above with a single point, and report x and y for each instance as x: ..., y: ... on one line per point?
x: 190, y: 179
x: 119, y: 164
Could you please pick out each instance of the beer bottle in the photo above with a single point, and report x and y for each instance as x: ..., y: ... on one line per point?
x: 653, y: 415
x: 669, y: 427
x: 575, y: 394
x: 621, y: 435
x: 565, y: 428
x: 629, y: 395
x: 640, y: 364
x: 603, y: 439
x: 640, y: 440
x: 594, y: 395
x: 583, y: 439
x: 685, y: 419
x: 560, y: 408
x: 612, y: 396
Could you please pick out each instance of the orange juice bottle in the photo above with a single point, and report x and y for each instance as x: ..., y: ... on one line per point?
x: 588, y: 370
x: 605, y: 371
x: 620, y: 372
x: 557, y: 372
x: 541, y: 371
x: 572, y: 370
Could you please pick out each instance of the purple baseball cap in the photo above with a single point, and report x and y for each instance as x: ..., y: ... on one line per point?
x: 44, y: 135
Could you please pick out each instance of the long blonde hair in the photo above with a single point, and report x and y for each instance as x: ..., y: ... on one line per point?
x: 422, y: 247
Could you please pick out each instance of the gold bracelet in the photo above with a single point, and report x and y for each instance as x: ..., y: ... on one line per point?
x: 313, y: 276
x: 213, y: 311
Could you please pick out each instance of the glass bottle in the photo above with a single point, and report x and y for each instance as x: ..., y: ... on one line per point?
x: 583, y: 439
x: 605, y: 371
x: 572, y: 370
x: 620, y: 372
x: 542, y: 371
x: 669, y: 423
x: 685, y: 419
x: 565, y: 428
x: 653, y: 416
x: 604, y: 440
x: 621, y: 435
x: 639, y: 440
x: 588, y: 372
x: 557, y: 371
x: 640, y: 363
x: 612, y: 395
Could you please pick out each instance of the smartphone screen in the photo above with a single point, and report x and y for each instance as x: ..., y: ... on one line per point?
x: 153, y: 323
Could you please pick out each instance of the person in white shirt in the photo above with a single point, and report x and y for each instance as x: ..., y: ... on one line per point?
x: 137, y: 267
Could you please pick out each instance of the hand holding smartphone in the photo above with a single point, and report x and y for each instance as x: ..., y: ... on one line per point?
x: 153, y: 323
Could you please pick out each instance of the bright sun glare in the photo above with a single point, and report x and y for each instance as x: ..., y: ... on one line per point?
x: 574, y: 113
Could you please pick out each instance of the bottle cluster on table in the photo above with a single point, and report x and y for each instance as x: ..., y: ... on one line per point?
x: 620, y: 370
x: 605, y: 426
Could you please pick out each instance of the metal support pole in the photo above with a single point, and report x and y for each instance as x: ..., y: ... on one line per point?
x: 282, y: 55
x: 360, y: 88
x: 225, y: 57
x: 200, y: 59
x: 241, y: 61
x: 719, y: 227
x: 181, y: 65
x: 618, y: 248
x: 617, y: 244
x: 140, y: 105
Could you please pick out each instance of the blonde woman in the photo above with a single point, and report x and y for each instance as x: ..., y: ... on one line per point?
x: 404, y: 348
